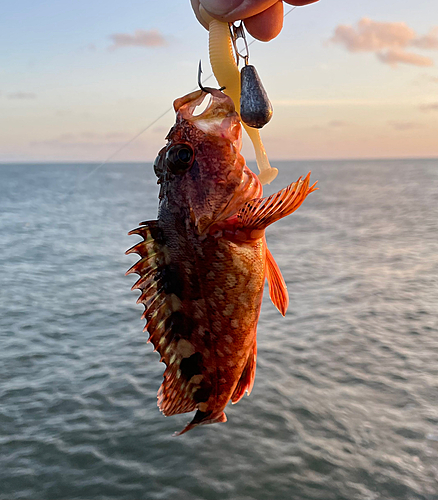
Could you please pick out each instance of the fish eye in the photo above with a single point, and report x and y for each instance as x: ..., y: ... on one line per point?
x: 179, y: 158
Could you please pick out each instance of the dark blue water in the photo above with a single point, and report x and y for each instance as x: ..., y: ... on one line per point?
x: 345, y: 404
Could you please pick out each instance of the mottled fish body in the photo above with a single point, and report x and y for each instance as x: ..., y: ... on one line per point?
x: 204, y: 261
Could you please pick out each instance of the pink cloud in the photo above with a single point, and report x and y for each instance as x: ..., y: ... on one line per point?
x: 402, y: 126
x: 88, y: 140
x: 425, y: 78
x: 22, y: 95
x: 393, y: 57
x: 337, y: 123
x: 429, y: 41
x: 140, y: 38
x: 370, y: 36
x: 387, y: 40
x: 429, y: 107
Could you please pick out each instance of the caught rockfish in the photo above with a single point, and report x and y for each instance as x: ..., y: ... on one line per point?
x: 204, y: 261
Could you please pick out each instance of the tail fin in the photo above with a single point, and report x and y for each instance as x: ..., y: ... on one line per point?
x: 203, y: 418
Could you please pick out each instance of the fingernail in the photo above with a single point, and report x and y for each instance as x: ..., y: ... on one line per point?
x: 220, y: 7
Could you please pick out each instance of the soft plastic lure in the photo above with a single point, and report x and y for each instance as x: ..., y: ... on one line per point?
x: 227, y: 74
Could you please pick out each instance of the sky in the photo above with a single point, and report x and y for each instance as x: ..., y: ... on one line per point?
x: 347, y: 79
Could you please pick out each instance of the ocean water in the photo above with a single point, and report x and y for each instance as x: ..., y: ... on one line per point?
x: 345, y: 403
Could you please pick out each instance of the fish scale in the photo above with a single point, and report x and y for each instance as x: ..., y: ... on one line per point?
x: 204, y: 261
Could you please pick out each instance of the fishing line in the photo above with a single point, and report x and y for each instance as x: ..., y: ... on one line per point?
x: 112, y: 155
x: 87, y: 176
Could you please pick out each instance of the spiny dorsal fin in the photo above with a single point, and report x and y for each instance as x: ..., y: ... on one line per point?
x: 153, y: 258
x: 166, y: 323
x: 246, y: 381
x: 277, y: 286
x: 261, y: 212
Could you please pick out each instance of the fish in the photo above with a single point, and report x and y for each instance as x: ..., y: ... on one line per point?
x: 204, y: 260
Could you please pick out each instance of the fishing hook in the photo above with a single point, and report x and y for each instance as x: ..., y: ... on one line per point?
x: 207, y: 90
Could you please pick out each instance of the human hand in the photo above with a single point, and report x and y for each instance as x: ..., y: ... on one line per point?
x: 263, y: 18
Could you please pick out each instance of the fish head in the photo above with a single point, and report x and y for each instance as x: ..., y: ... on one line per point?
x: 201, y: 168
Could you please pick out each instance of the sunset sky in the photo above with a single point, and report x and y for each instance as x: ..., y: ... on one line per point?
x: 348, y: 79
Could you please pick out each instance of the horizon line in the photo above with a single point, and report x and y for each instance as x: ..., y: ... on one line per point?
x: 96, y: 162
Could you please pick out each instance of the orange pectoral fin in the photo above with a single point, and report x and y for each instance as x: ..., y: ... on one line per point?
x: 277, y: 286
x: 261, y: 212
x: 246, y: 380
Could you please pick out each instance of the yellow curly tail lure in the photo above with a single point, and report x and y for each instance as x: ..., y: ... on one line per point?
x: 227, y: 74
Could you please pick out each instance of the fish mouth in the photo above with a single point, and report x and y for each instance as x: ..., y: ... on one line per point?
x: 218, y: 118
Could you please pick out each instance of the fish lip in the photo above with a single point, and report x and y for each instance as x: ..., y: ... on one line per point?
x: 217, y: 117
x: 186, y: 105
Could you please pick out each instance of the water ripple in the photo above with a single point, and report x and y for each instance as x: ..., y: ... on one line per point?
x: 345, y: 404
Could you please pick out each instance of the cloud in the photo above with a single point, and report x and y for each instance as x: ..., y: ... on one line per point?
x: 370, y: 36
x: 429, y: 41
x: 388, y: 41
x: 87, y: 140
x: 393, y: 57
x: 140, y: 38
x: 429, y: 107
x: 337, y: 124
x: 117, y: 136
x: 402, y: 126
x: 329, y: 102
x: 424, y: 79
x: 330, y: 126
x: 22, y: 95
x: 427, y: 78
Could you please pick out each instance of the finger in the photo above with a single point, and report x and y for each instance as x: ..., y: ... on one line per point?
x: 267, y: 24
x: 234, y: 10
x: 195, y: 6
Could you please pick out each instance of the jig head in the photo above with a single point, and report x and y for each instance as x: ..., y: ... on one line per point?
x: 255, y: 106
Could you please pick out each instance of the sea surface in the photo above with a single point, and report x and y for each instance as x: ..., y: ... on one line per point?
x: 345, y: 402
